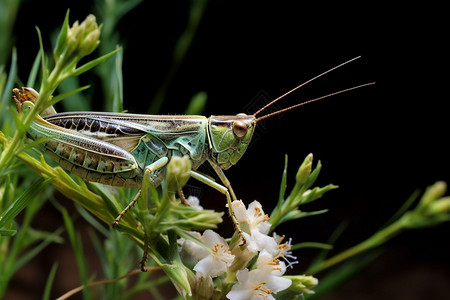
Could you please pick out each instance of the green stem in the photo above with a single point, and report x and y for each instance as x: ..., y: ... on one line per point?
x: 9, y: 151
x: 376, y: 240
x: 162, y: 211
x: 12, y: 148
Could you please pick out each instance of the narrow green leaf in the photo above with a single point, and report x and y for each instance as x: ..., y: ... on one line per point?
x: 298, y: 214
x: 283, y: 184
x: 49, y: 283
x: 124, y: 7
x: 312, y: 213
x: 7, y: 232
x: 18, y: 263
x: 197, y: 104
x: 118, y: 95
x: 74, y: 102
x: 77, y: 247
x: 34, y: 143
x: 316, y: 193
x: 70, y: 228
x: 67, y: 94
x: 7, y: 187
x: 405, y: 206
x: 3, y: 78
x: 17, y: 206
x: 311, y: 245
x: 12, y: 75
x: 313, y: 176
x: 17, y: 121
x: 34, y: 71
x: 62, y: 37
x: 91, y: 220
x: 89, y: 65
x: 103, y: 256
x: 112, y: 206
x: 44, y: 71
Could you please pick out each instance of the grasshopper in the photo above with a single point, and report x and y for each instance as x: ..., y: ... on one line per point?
x: 119, y: 149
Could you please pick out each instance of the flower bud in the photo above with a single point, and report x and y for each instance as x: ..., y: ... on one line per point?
x: 76, y: 41
x: 90, y: 42
x: 180, y: 277
x: 90, y: 23
x: 432, y: 193
x: 302, y: 284
x: 73, y: 36
x: 91, y: 35
x: 178, y: 172
x: 203, y: 287
x: 305, y: 170
x: 440, y: 206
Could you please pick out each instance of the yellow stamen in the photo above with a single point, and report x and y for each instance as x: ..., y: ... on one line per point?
x: 265, y: 291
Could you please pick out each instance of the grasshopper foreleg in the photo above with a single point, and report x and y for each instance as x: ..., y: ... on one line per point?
x: 182, y: 197
x: 224, y: 179
x: 224, y: 190
x: 148, y: 170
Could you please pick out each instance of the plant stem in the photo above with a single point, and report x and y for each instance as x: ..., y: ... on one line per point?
x: 377, y: 239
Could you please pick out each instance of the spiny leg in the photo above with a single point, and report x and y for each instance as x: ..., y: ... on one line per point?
x: 227, y: 184
x: 223, y: 178
x: 126, y: 209
x: 145, y: 254
x: 223, y: 190
x: 148, y: 170
x: 182, y: 197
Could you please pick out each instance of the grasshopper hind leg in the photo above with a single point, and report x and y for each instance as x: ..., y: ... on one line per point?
x: 145, y: 254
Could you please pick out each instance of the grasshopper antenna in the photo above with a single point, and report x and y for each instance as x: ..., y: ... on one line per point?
x: 313, y: 100
x: 303, y: 84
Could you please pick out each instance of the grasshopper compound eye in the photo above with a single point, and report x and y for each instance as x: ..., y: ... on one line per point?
x: 239, y: 129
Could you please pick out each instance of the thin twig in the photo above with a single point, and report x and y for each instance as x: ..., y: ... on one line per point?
x: 100, y: 282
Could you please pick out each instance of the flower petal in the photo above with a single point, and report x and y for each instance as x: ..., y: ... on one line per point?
x: 278, y: 283
x: 209, y: 266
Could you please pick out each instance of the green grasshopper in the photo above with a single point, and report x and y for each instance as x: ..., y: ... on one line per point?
x: 119, y: 149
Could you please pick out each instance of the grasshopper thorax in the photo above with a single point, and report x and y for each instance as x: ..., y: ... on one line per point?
x: 229, y: 137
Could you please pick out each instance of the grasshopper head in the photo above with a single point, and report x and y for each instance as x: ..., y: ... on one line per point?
x: 24, y: 95
x: 230, y: 136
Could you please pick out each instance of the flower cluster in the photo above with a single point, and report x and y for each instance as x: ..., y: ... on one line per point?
x: 76, y: 42
x: 246, y: 277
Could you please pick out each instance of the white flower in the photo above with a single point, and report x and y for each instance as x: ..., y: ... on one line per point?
x: 257, y: 284
x: 254, y: 216
x: 261, y: 282
x: 270, y: 264
x: 255, y: 225
x: 213, y: 261
x: 250, y: 286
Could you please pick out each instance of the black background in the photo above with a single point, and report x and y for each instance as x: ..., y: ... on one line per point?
x: 378, y: 143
